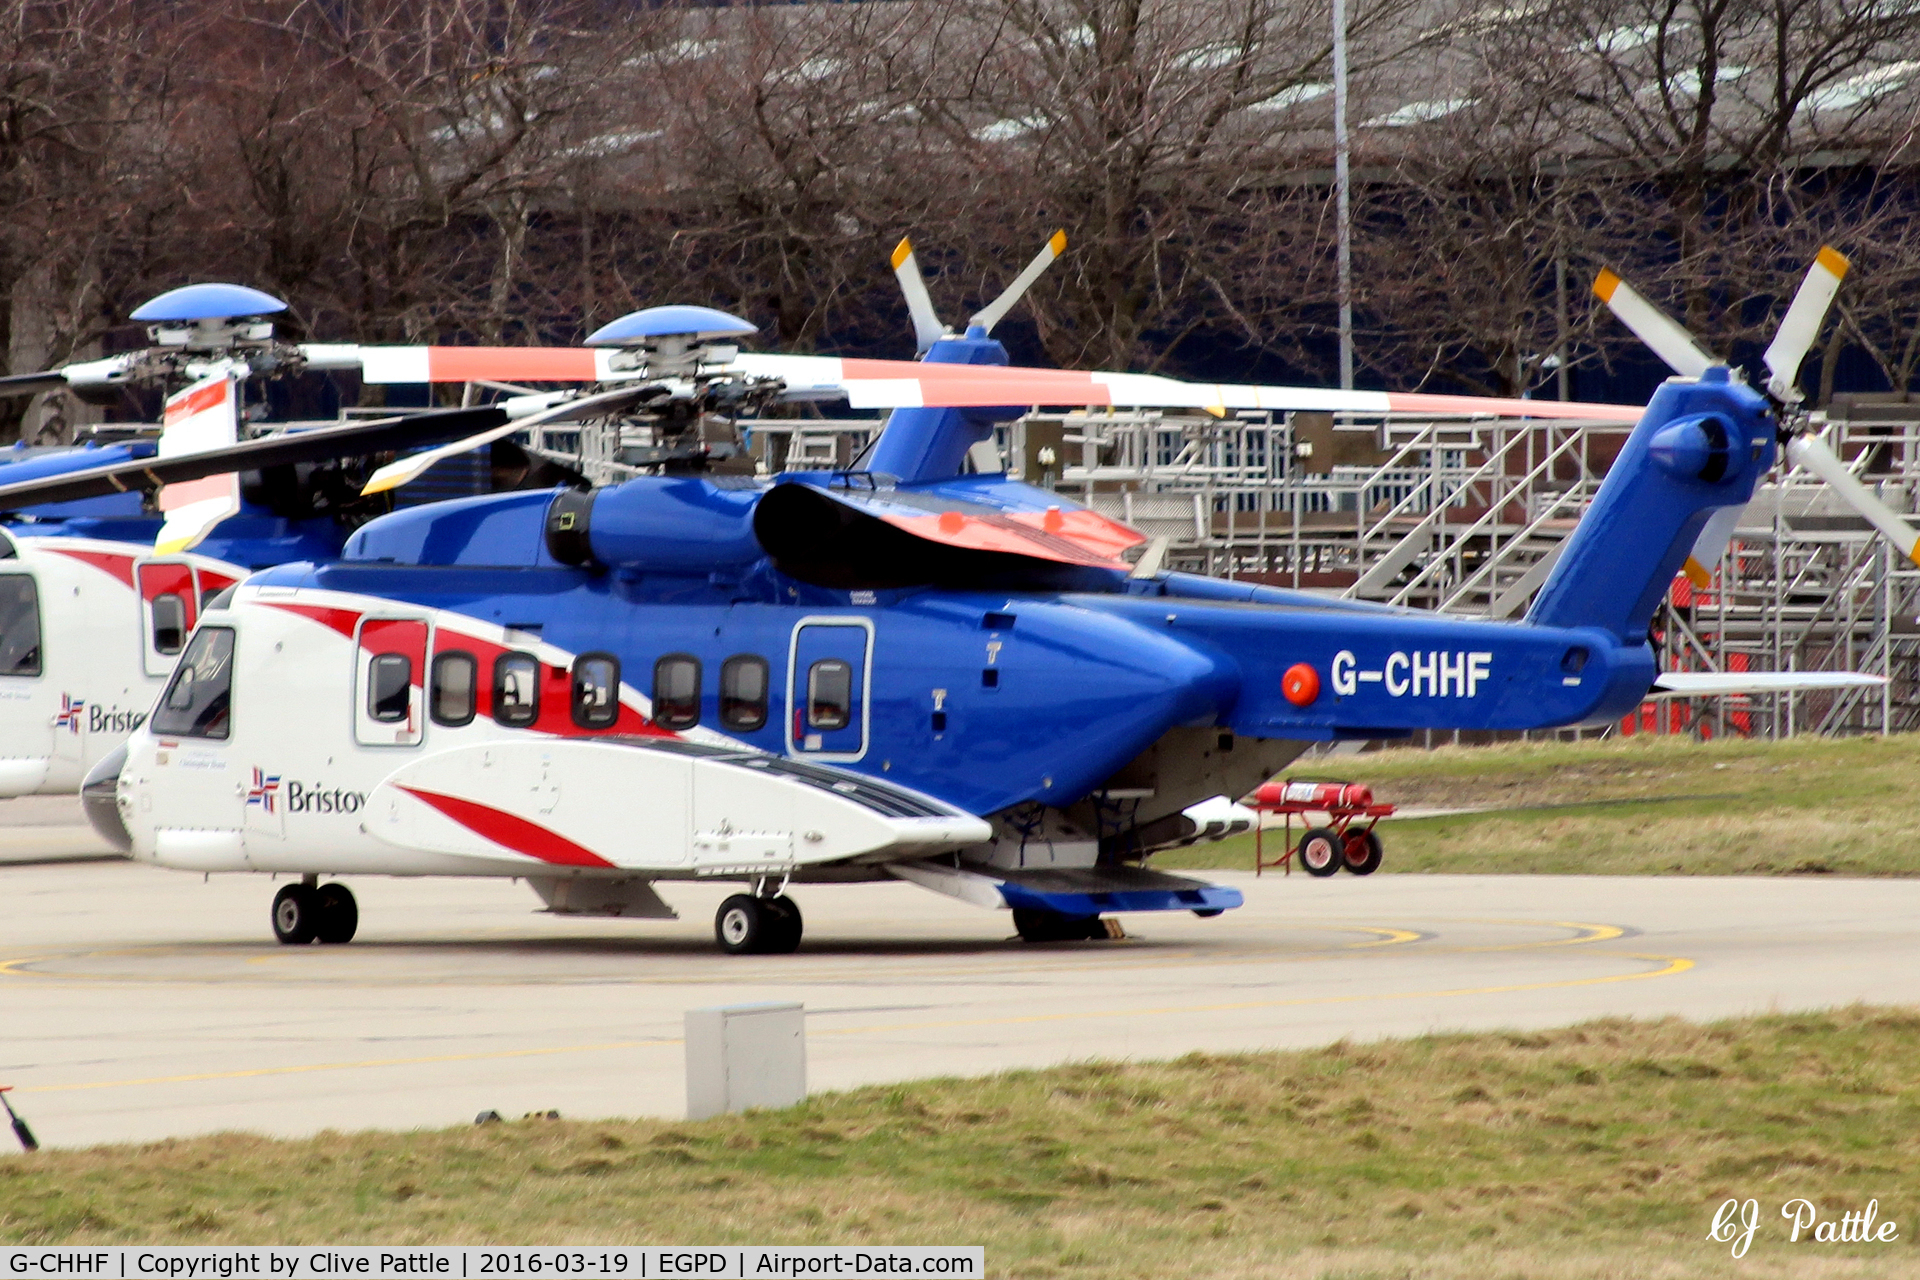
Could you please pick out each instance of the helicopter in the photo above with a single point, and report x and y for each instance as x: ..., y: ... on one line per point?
x: 936, y: 674
x: 110, y: 553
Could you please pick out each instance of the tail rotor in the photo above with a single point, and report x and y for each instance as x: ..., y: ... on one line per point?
x: 1799, y: 329
x: 927, y: 328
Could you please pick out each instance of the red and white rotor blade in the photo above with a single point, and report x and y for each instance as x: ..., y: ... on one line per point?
x: 897, y: 384
x: 1801, y: 325
x: 927, y: 328
x: 1652, y: 326
x: 196, y: 419
x: 1813, y: 453
x: 995, y: 311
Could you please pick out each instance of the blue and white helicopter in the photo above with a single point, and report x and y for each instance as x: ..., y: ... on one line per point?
x: 103, y: 569
x: 911, y: 671
x: 98, y: 593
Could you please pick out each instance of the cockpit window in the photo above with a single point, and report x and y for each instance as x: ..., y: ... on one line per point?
x: 19, y: 626
x: 198, y: 700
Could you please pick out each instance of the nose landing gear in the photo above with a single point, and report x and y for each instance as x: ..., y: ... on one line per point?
x: 310, y: 912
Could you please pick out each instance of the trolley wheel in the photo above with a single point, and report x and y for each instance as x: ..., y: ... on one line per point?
x: 1320, y: 851
x: 1363, y: 852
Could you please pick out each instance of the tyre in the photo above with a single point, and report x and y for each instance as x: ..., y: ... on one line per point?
x: 1363, y: 852
x: 296, y: 915
x: 741, y: 925
x: 1052, y: 926
x: 1320, y: 851
x: 783, y: 933
x: 337, y: 916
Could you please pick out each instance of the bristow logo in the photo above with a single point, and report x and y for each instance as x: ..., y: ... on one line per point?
x: 112, y: 719
x: 69, y: 717
x: 263, y: 789
x: 1433, y: 674
x: 317, y: 797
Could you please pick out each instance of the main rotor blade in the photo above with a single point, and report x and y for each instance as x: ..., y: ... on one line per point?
x: 1652, y: 326
x: 413, y: 466
x: 1801, y: 325
x: 32, y: 384
x: 894, y: 384
x: 926, y: 323
x: 1813, y: 453
x: 991, y: 314
x: 381, y: 435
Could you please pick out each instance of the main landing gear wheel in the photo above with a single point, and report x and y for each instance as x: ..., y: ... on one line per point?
x: 338, y: 916
x: 1363, y: 852
x: 296, y: 915
x: 1321, y: 851
x: 1052, y: 926
x: 746, y: 925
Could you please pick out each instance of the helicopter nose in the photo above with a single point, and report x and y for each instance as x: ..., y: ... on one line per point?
x: 98, y: 797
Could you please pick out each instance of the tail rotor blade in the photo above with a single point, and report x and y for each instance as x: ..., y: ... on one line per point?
x: 1812, y: 453
x: 1652, y: 326
x: 1711, y: 545
x: 906, y: 269
x: 991, y: 314
x: 1801, y: 325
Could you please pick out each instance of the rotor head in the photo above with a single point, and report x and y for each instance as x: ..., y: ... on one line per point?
x: 209, y: 317
x: 674, y: 339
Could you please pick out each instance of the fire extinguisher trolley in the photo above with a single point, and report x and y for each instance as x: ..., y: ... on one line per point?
x: 1346, y: 840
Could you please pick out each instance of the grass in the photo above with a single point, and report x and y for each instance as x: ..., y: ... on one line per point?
x: 1598, y: 1150
x: 1639, y: 806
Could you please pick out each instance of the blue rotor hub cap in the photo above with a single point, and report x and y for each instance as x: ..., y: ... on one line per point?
x: 208, y: 302
x: 669, y: 322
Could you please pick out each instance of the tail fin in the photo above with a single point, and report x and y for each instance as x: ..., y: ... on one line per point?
x: 1700, y: 447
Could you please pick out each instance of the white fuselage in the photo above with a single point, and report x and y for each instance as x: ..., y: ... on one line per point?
x: 89, y: 631
x: 316, y: 732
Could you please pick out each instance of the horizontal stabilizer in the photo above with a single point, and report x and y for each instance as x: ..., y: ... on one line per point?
x: 1699, y: 684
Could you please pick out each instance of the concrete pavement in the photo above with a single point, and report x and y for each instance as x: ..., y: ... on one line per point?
x: 137, y: 1004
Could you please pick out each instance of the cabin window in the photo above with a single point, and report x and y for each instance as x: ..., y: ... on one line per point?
x: 455, y: 674
x: 516, y: 689
x: 389, y: 684
x: 198, y: 700
x: 596, y: 690
x: 676, y: 691
x: 743, y: 691
x: 169, y: 622
x: 19, y: 626
x: 829, y: 694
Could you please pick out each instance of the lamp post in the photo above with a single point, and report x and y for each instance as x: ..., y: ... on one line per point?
x: 1342, y: 181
